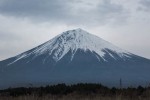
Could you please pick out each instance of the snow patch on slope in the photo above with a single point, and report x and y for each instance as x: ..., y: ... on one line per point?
x: 18, y: 58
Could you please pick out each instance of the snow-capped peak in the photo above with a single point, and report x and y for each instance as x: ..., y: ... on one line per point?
x: 73, y: 40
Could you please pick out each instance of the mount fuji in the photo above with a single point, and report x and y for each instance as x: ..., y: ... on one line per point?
x: 75, y: 56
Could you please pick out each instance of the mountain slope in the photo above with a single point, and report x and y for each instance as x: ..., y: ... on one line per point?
x: 75, y: 56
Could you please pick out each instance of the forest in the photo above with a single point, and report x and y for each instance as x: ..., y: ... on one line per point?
x: 82, y: 91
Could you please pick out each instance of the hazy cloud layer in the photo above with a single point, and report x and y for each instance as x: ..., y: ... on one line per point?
x: 144, y: 5
x: 25, y: 24
x: 66, y: 11
x: 49, y: 9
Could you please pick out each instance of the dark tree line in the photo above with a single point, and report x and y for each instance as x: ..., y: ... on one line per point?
x: 83, y: 89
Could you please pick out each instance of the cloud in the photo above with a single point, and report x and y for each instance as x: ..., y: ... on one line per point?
x: 109, y: 11
x: 144, y: 5
x: 52, y: 9
x: 65, y: 11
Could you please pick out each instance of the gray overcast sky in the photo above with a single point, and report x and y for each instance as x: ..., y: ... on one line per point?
x: 25, y: 24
